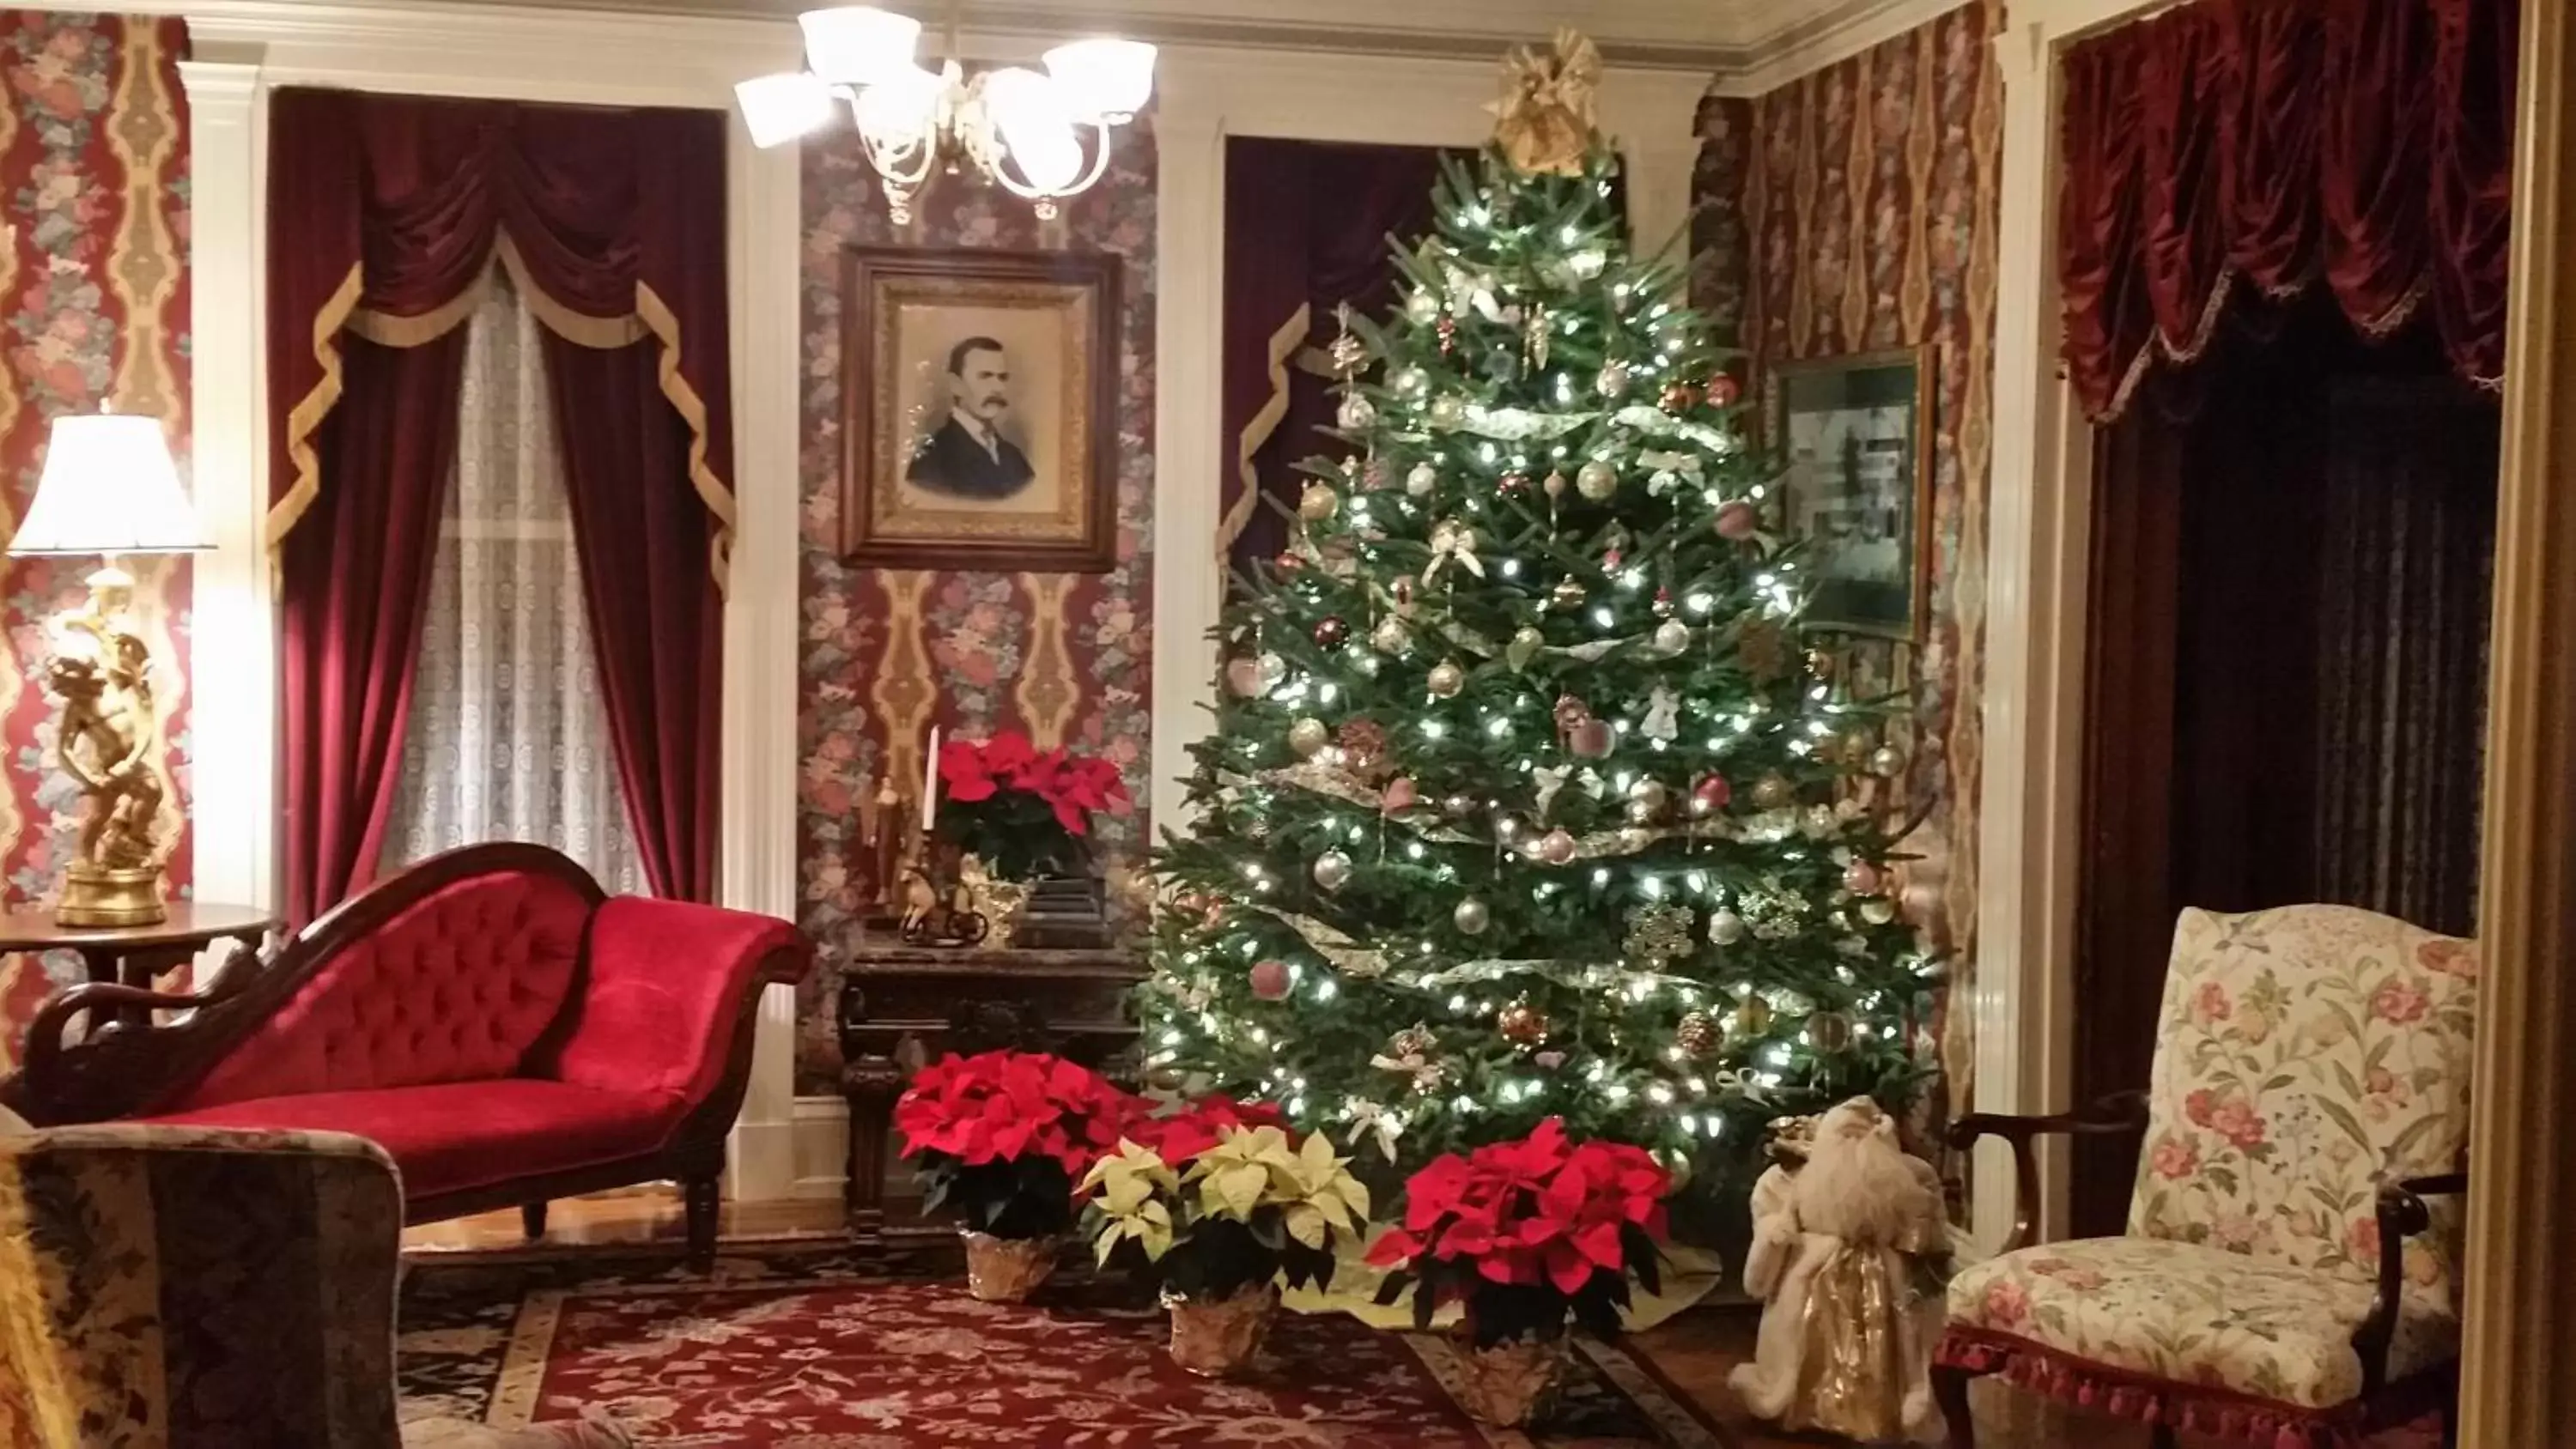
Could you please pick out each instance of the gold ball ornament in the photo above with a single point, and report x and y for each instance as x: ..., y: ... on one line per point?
x: 1612, y: 379
x: 1567, y: 594
x: 1308, y: 736
x: 1409, y: 381
x: 1554, y: 485
x: 1596, y: 480
x: 1318, y: 502
x: 1521, y: 1024
x: 1448, y: 411
x: 1421, y: 308
x: 1446, y: 679
x: 1829, y: 1031
x: 1697, y: 1035
x: 1887, y: 761
x: 1878, y: 910
x: 1471, y: 917
x: 1752, y: 1016
x: 1772, y: 792
x: 1389, y: 636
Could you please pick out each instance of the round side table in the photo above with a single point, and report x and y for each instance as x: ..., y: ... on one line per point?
x: 137, y: 955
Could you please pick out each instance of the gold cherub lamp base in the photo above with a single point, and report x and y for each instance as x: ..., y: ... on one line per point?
x: 99, y: 895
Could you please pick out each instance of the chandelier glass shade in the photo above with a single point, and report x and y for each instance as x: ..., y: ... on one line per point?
x: 1040, y: 135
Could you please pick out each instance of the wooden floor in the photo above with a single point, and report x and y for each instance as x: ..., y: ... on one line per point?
x: 1696, y: 1350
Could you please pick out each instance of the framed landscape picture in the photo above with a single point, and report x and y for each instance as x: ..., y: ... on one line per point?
x: 1855, y: 437
x: 979, y: 409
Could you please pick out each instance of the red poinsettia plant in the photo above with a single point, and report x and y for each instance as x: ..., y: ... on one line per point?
x: 1527, y: 1234
x: 1025, y: 812
x: 1000, y: 1138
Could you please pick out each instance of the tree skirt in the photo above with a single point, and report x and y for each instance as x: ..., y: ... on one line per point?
x: 834, y: 1350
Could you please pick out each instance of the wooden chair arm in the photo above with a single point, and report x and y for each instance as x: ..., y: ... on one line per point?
x: 2117, y: 1113
x: 108, y: 1071
x: 2403, y: 1213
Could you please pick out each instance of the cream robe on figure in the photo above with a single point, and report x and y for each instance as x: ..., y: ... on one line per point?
x: 1844, y: 1345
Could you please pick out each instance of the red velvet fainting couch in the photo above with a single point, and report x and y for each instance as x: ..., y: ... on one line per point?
x: 503, y: 1029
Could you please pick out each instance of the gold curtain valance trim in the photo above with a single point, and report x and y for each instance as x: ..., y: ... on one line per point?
x: 307, y: 414
x: 652, y: 319
x: 1256, y: 433
x: 719, y: 499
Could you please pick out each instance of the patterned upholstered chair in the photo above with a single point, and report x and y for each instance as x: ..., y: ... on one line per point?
x: 2284, y: 1279
x: 189, y: 1288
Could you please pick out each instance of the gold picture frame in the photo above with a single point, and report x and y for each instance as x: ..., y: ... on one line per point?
x: 980, y: 409
x: 1853, y: 435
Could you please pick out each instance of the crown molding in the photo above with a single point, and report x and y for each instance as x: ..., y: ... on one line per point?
x: 1830, y: 35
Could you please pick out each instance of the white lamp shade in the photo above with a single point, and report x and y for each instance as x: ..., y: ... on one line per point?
x: 1036, y: 124
x: 898, y: 110
x: 778, y: 108
x: 109, y: 486
x: 857, y: 45
x: 1110, y: 79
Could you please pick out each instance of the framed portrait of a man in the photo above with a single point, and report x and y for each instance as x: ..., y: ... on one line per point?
x: 1854, y: 438
x: 979, y: 409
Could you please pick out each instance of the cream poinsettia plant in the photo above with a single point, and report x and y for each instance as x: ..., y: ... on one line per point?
x: 1207, y: 1209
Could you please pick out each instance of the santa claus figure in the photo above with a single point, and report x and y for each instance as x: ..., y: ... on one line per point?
x: 1845, y: 1344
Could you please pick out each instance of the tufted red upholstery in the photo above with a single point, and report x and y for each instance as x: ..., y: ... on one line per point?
x: 642, y: 1025
x: 460, y: 1135
x: 456, y: 988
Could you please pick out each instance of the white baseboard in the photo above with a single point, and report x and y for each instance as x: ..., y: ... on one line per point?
x: 760, y: 1161
x: 821, y: 1151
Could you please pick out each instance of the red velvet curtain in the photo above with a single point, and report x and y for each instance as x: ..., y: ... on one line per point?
x: 1306, y: 227
x: 385, y: 214
x: 2365, y: 144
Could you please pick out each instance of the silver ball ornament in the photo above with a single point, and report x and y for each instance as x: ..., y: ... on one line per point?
x: 1725, y: 927
x: 1308, y: 736
x: 1886, y: 760
x: 1672, y: 636
x: 1422, y: 307
x: 1471, y: 917
x: 1332, y: 870
x: 1596, y: 480
x: 1612, y: 379
x: 1356, y: 412
x: 1389, y: 635
x: 1421, y: 480
x: 1556, y: 847
x: 1409, y: 381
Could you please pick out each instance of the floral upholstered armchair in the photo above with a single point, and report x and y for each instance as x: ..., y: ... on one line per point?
x: 195, y: 1288
x: 2284, y: 1279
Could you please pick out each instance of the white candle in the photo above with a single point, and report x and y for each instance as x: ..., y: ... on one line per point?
x: 930, y: 781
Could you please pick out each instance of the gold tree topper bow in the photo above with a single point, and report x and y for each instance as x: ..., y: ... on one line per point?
x: 1544, y: 121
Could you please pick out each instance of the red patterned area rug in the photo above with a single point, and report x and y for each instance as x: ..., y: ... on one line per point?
x: 843, y: 1351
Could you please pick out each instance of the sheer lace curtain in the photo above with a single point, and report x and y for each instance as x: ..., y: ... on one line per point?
x: 507, y: 738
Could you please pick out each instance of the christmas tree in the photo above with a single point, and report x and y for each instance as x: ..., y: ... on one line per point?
x: 1526, y: 798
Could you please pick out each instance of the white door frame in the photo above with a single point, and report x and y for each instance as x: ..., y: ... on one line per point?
x: 2038, y: 578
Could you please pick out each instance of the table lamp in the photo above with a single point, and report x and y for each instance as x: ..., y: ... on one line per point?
x: 109, y: 488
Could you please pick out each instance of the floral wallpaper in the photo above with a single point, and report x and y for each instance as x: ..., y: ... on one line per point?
x: 1851, y: 210
x: 93, y: 306
x: 886, y: 654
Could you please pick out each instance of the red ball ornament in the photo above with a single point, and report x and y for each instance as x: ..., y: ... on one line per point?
x: 1723, y: 391
x: 1269, y: 980
x: 1511, y: 484
x: 1861, y: 878
x: 1330, y: 631
x: 1400, y: 794
x: 1290, y: 562
x: 1680, y: 397
x: 1738, y: 520
x: 1710, y: 795
x: 1592, y: 739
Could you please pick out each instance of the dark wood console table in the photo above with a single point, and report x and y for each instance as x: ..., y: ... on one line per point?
x: 138, y: 955
x: 901, y: 1006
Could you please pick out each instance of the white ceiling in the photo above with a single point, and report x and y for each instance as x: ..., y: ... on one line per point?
x: 1725, y: 38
